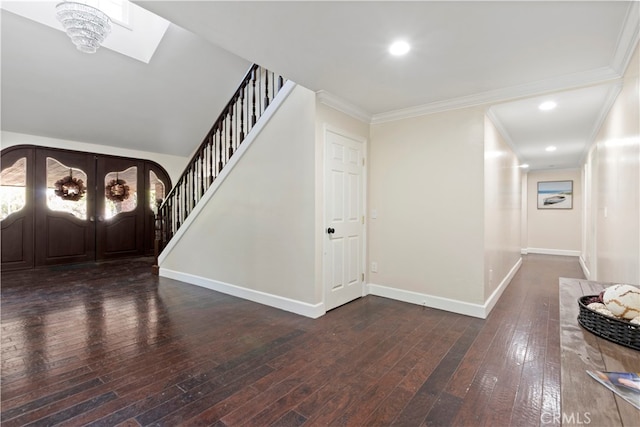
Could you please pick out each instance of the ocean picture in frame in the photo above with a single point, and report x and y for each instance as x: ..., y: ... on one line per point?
x: 555, y: 195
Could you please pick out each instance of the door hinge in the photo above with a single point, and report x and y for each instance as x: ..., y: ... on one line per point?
x: 363, y: 219
x: 363, y: 161
x: 363, y: 277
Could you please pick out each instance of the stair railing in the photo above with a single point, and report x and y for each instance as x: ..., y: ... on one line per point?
x: 248, y: 103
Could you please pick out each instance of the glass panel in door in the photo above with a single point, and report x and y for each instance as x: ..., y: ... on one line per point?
x: 13, y: 188
x: 120, y: 192
x: 156, y: 191
x: 66, y: 189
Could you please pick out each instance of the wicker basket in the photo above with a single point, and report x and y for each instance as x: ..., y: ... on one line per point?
x: 618, y: 331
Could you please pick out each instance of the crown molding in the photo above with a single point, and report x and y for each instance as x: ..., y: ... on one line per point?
x: 503, y: 132
x: 568, y: 81
x: 612, y: 94
x: 628, y: 39
x: 344, y: 106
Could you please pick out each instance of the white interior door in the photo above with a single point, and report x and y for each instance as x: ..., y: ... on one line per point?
x: 344, y: 219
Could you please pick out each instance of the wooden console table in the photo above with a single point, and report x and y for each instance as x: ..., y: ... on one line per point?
x: 583, y: 398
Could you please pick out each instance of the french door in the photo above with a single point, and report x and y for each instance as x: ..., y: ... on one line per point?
x: 17, y: 210
x: 65, y: 227
x: 78, y: 207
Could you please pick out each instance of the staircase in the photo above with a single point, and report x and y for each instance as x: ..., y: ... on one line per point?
x: 250, y: 101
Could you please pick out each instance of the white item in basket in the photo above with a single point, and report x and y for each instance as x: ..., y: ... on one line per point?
x: 605, y: 312
x: 623, y: 300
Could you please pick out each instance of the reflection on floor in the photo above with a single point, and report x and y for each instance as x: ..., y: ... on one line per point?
x: 113, y: 344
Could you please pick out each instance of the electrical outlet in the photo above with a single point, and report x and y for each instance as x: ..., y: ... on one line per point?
x: 374, y: 267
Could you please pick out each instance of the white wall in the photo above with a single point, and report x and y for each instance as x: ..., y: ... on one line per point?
x: 502, y: 210
x: 612, y: 250
x: 524, y: 220
x: 174, y: 165
x: 258, y: 233
x: 426, y: 183
x: 588, y: 260
x: 554, y: 231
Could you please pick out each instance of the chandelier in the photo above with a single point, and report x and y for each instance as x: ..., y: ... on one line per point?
x: 85, y: 25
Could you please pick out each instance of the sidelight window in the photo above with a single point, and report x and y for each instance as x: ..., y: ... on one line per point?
x: 156, y: 191
x: 13, y: 188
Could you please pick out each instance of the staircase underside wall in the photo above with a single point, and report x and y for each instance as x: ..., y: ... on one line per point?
x: 255, y: 237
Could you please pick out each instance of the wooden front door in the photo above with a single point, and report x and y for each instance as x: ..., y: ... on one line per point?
x: 65, y: 207
x: 119, y: 207
x: 17, y: 209
x: 62, y: 207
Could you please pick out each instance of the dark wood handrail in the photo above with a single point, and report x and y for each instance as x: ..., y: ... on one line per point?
x: 253, y: 96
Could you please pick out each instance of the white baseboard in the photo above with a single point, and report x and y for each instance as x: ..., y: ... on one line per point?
x: 461, y: 307
x: 317, y: 310
x: 563, y: 252
x: 524, y: 251
x: 585, y: 270
x: 447, y: 304
x: 298, y: 307
x: 497, y: 293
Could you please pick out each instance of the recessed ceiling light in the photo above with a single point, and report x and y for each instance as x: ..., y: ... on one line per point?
x: 399, y: 48
x: 524, y: 165
x: 547, y: 105
x: 551, y: 148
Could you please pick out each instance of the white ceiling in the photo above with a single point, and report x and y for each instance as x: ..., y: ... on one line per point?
x: 167, y: 106
x: 463, y: 53
x: 569, y: 127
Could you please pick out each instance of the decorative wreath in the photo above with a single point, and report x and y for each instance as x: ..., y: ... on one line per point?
x: 117, y: 190
x: 70, y: 188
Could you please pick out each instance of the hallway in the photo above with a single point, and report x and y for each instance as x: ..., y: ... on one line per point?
x: 111, y: 344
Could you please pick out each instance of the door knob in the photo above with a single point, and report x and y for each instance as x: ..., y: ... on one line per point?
x: 331, y: 230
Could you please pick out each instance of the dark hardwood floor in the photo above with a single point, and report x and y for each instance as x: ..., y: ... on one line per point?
x: 113, y: 345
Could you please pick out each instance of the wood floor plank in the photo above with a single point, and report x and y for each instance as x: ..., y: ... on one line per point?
x: 41, y: 402
x: 71, y: 411
x: 429, y: 392
x: 290, y: 419
x: 527, y: 405
x: 201, y: 398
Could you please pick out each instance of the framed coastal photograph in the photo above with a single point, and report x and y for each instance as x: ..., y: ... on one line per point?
x: 555, y: 195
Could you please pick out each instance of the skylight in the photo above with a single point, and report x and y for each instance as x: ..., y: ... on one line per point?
x: 137, y: 34
x: 118, y: 10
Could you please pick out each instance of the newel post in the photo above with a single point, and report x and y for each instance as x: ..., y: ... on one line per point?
x: 157, y: 222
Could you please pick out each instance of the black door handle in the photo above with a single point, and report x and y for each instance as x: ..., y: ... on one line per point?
x: 331, y: 230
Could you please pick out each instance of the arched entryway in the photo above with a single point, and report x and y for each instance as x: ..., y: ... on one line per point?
x: 62, y: 206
